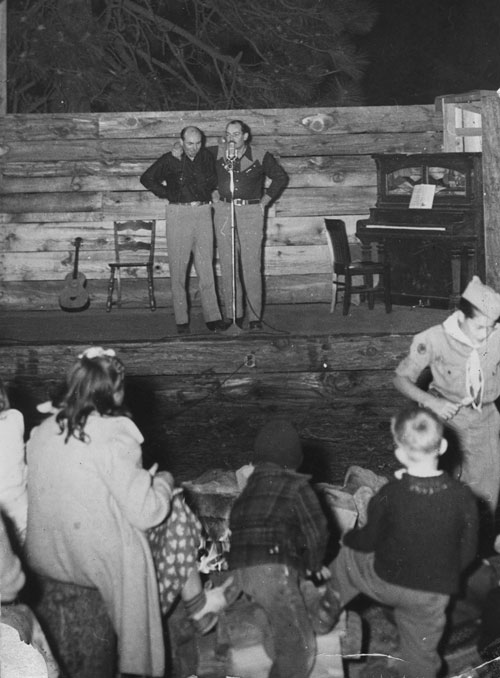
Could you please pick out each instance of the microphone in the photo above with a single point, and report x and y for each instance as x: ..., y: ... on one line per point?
x: 231, y: 151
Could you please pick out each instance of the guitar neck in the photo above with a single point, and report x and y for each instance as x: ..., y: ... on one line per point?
x: 77, y: 244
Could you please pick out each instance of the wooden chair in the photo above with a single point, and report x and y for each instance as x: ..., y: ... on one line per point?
x: 134, y: 243
x: 344, y: 267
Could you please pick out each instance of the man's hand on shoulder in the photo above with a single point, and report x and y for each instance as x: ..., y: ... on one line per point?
x: 177, y: 150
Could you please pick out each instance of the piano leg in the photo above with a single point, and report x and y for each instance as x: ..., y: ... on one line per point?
x: 456, y: 270
x: 347, y: 294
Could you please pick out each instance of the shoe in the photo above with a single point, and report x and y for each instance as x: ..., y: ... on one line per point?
x: 255, y: 325
x: 206, y: 623
x: 183, y: 329
x: 218, y: 325
x: 216, y: 600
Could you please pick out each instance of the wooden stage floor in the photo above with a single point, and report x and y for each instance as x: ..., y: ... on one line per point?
x: 130, y: 324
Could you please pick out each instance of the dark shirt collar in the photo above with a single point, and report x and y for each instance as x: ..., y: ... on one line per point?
x: 248, y: 152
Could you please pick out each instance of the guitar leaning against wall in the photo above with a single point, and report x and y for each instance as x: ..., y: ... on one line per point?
x: 74, y: 296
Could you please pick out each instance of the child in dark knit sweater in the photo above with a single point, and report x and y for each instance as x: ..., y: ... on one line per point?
x: 420, y: 534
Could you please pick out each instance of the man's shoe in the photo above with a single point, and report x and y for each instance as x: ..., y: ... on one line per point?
x: 255, y: 325
x: 183, y: 329
x: 218, y: 325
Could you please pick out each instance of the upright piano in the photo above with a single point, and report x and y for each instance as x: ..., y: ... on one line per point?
x: 428, y: 223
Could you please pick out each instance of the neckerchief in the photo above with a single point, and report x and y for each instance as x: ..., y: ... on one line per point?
x: 473, y: 373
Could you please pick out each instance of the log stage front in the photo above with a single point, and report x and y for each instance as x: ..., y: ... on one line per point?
x: 200, y: 399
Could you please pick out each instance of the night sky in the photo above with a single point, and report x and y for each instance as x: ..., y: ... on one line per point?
x: 420, y: 50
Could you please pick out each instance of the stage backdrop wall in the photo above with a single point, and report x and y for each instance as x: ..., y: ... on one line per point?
x: 69, y: 175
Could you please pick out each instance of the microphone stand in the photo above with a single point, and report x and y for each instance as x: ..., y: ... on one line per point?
x: 234, y: 329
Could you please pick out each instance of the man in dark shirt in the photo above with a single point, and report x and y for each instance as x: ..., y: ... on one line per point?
x: 186, y: 184
x: 241, y: 173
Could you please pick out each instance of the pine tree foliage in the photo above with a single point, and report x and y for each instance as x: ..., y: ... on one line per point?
x: 123, y: 55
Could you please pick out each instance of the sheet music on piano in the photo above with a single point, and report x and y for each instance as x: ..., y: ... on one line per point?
x: 422, y: 197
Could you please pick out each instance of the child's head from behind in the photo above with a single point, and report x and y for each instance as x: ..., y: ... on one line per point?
x: 95, y: 383
x: 278, y: 442
x: 418, y: 435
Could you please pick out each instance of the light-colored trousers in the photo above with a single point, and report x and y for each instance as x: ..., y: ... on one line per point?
x: 478, y: 434
x: 190, y: 231
x: 249, y: 235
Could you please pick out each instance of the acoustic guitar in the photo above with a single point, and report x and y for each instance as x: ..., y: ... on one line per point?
x: 74, y: 296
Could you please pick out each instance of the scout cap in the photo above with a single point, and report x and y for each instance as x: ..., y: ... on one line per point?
x: 483, y: 298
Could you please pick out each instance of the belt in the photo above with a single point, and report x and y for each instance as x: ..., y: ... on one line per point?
x: 195, y: 203
x: 239, y: 201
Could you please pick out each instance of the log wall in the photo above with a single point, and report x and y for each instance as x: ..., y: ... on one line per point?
x: 69, y: 175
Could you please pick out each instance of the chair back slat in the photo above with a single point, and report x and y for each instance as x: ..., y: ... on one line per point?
x: 134, y: 237
x: 338, y: 237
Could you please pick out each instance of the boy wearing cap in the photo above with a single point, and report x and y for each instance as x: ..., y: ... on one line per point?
x: 463, y: 354
x: 278, y: 532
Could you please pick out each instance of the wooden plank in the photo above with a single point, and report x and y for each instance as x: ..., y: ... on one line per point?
x: 41, y: 218
x: 274, y: 122
x: 304, y: 201
x: 19, y: 237
x: 69, y: 184
x: 59, y: 236
x: 144, y: 205
x: 268, y: 122
x: 491, y: 188
x: 254, y: 385
x: 54, y: 265
x: 52, y: 202
x: 43, y: 295
x: 289, y: 354
x: 53, y: 177
x: 131, y: 149
x: 42, y: 169
x: 48, y: 126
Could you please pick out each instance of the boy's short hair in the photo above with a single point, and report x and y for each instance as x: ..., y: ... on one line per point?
x: 467, y: 308
x: 417, y: 429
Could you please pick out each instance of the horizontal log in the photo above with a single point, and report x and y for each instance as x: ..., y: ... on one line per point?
x: 64, y: 176
x: 98, y: 235
x: 130, y: 149
x: 287, y: 354
x: 144, y: 205
x: 265, y: 122
x: 26, y: 127
x: 52, y: 265
x: 44, y: 295
x: 339, y: 388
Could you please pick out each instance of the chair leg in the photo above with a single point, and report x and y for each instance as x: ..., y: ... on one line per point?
x: 387, y: 292
x: 347, y: 295
x: 151, y: 291
x: 118, y: 288
x: 111, y: 285
x: 334, y: 296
